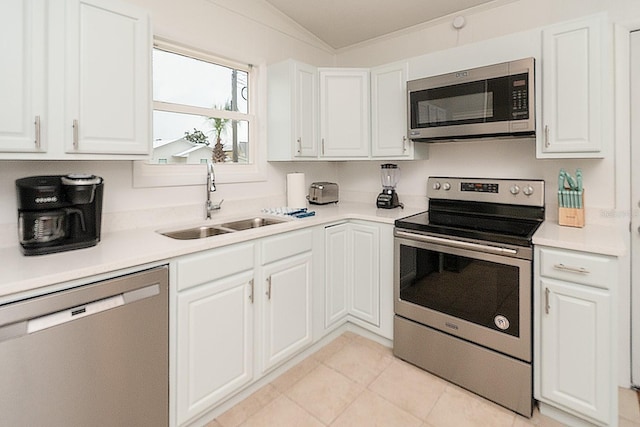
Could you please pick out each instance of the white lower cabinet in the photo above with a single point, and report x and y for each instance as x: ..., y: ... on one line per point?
x: 243, y: 310
x: 352, y: 273
x: 336, y: 269
x: 214, y: 343
x: 576, y: 340
x: 231, y: 304
x: 286, y: 296
x: 286, y: 319
x: 215, y: 328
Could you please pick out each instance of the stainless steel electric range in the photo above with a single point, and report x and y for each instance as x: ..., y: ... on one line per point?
x: 463, y: 286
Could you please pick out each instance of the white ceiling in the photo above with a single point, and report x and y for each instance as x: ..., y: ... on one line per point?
x: 341, y: 23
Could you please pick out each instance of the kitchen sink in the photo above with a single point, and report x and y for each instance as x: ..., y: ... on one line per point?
x: 246, y: 224
x: 195, y: 232
x: 203, y: 231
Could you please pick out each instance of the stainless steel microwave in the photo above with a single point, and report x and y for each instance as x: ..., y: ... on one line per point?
x: 492, y: 101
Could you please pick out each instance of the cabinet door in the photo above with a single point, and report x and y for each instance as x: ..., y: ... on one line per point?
x: 389, y: 111
x: 22, y: 76
x: 344, y: 113
x: 572, y: 89
x: 214, y: 342
x: 107, y: 78
x: 575, y: 347
x: 306, y: 96
x: 286, y: 319
x: 365, y: 273
x: 337, y: 273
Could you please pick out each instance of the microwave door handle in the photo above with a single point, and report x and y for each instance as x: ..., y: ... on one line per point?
x: 457, y: 243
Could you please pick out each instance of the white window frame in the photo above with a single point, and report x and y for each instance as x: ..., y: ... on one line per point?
x: 146, y: 174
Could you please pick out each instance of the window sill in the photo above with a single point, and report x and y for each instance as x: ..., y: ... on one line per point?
x: 147, y: 175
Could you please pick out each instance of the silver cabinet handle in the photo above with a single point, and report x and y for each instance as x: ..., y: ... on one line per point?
x: 404, y: 144
x: 323, y: 146
x: 546, y: 300
x: 571, y: 269
x: 299, y: 141
x: 251, y: 290
x: 75, y: 134
x: 268, y: 293
x: 546, y: 136
x: 37, y: 125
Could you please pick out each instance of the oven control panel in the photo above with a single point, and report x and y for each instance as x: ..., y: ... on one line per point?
x: 508, y: 191
x: 480, y: 187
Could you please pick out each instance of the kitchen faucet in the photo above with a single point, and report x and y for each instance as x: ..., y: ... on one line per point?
x: 211, y: 186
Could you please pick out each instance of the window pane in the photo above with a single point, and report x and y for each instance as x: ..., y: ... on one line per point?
x: 191, y: 139
x: 183, y: 80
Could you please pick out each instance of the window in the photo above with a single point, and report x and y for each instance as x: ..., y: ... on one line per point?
x: 192, y: 90
x: 201, y: 108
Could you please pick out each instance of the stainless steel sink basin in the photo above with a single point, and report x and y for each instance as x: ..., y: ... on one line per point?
x: 246, y: 224
x: 195, y: 232
x: 203, y: 231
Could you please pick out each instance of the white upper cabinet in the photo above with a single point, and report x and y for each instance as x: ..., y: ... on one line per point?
x: 107, y: 55
x: 389, y: 112
x: 77, y: 80
x: 22, y: 76
x: 344, y: 113
x: 575, y: 89
x: 292, y: 97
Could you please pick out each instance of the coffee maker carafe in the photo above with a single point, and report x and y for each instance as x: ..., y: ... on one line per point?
x: 59, y: 212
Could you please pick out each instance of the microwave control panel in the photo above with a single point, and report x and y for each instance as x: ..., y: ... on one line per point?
x: 519, y: 96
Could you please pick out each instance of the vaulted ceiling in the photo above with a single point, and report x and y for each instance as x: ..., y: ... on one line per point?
x: 342, y: 23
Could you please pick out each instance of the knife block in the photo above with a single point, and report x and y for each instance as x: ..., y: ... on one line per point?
x: 572, y: 217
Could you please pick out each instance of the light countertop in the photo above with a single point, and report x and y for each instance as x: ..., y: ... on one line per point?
x: 120, y: 250
x: 22, y: 276
x: 593, y: 238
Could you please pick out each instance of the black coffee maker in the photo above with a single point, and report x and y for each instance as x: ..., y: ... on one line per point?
x: 59, y: 212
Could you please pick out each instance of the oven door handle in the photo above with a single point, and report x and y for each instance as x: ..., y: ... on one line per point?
x: 457, y: 243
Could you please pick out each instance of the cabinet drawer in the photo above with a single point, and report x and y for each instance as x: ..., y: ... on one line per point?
x: 286, y: 245
x: 215, y: 264
x: 578, y: 267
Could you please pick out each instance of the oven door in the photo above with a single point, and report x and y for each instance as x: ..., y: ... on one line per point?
x: 476, y: 292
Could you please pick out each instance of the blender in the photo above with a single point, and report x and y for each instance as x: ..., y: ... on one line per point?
x: 388, y: 199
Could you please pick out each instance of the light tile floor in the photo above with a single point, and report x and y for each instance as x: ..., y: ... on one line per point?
x: 353, y: 381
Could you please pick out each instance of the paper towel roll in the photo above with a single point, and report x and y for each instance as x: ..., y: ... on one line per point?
x: 296, y: 190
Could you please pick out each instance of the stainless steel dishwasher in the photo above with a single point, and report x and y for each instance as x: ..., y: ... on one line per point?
x: 94, y: 355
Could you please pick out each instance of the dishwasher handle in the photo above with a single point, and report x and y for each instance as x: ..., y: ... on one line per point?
x: 76, y: 313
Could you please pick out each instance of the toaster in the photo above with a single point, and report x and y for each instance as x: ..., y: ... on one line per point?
x: 321, y: 193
